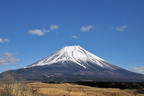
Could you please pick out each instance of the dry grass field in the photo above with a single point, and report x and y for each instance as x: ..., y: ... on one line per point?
x: 67, y: 89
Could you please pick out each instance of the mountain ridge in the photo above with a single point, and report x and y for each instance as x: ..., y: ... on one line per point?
x: 73, y: 63
x: 72, y: 53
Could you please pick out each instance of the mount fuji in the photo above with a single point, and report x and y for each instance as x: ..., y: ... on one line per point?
x: 73, y: 63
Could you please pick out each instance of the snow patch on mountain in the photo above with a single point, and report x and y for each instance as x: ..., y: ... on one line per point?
x: 75, y: 54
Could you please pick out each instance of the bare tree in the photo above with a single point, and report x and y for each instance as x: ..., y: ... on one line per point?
x: 7, y: 85
x: 11, y: 87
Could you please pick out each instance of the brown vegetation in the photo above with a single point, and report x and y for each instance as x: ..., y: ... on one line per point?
x: 9, y: 86
x: 67, y: 89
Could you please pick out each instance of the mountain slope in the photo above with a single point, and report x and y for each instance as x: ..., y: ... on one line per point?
x: 75, y: 54
x: 73, y: 63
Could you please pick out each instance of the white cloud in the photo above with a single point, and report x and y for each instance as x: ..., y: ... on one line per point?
x: 8, y: 59
x: 86, y: 28
x: 120, y: 28
x: 4, y: 40
x: 40, y: 32
x: 37, y: 32
x: 54, y: 27
x: 75, y: 37
x: 44, y: 30
x: 139, y: 70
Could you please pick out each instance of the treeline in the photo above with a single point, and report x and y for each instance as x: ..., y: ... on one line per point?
x: 121, y: 85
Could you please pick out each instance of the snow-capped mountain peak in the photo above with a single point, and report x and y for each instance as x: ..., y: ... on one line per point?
x: 75, y: 54
x: 73, y: 63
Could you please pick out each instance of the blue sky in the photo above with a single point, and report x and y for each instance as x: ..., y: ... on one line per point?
x: 33, y: 29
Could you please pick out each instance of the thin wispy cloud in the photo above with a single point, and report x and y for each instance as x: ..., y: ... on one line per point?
x: 37, y: 32
x: 41, y: 32
x: 120, y: 28
x: 75, y: 37
x: 4, y: 40
x: 8, y: 58
x: 54, y: 27
x: 86, y: 28
x: 44, y: 30
x: 138, y: 70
